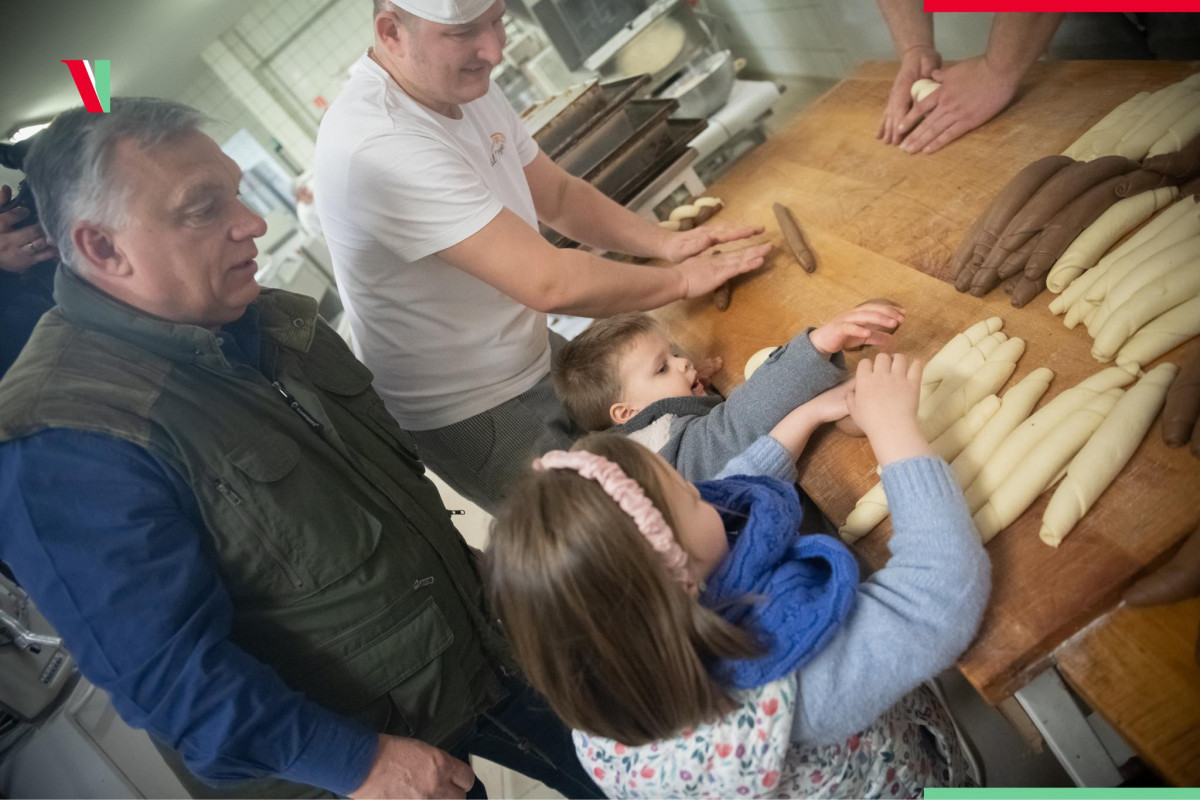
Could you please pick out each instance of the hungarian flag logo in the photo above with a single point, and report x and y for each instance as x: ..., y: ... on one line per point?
x: 92, y: 81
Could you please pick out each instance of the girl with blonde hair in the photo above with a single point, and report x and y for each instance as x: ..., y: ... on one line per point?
x: 699, y: 647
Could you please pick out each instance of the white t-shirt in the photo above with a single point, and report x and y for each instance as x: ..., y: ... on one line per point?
x: 400, y: 183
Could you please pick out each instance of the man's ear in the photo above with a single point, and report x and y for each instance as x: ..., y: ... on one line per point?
x: 387, y: 32
x: 97, y: 251
x: 620, y: 413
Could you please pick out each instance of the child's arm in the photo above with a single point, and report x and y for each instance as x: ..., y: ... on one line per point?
x: 775, y: 455
x: 914, y: 617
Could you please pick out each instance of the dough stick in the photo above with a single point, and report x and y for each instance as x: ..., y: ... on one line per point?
x: 1122, y: 217
x: 1078, y: 290
x: 1183, y: 408
x: 1137, y: 142
x: 795, y: 238
x: 963, y: 370
x: 1160, y: 335
x: 1109, y: 140
x: 872, y: 508
x: 1046, y: 460
x: 1186, y: 227
x: 1106, y: 453
x: 1012, y: 451
x: 952, y: 351
x: 1156, y: 266
x: 1081, y: 148
x: 1015, y: 408
x: 1180, y: 133
x: 1160, y: 296
x: 986, y: 380
x: 979, y: 241
x: 721, y: 295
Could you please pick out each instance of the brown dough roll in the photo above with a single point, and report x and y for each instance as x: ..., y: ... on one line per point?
x: 1067, y: 224
x: 1182, y: 409
x: 1055, y: 194
x: 1183, y: 164
x: 983, y: 234
x: 1178, y: 579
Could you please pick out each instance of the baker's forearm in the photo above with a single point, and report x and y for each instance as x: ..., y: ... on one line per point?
x: 588, y: 216
x: 1019, y: 39
x: 590, y: 286
x: 908, y: 23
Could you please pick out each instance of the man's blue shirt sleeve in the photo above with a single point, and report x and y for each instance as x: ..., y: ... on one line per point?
x: 109, y: 542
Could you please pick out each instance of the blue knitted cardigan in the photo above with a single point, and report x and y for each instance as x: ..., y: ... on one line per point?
x: 792, y: 592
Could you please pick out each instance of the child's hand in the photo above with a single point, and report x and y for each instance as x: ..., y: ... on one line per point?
x: 884, y: 404
x: 794, y: 430
x: 850, y: 328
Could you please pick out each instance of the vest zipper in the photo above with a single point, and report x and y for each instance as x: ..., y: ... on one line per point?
x: 294, y: 404
x: 235, y: 500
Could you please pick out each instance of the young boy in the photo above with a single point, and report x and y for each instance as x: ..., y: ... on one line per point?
x: 622, y: 373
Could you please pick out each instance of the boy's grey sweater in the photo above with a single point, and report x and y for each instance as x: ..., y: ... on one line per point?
x: 703, y: 433
x: 911, y: 619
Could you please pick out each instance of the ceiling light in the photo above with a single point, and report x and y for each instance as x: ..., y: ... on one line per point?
x: 25, y: 131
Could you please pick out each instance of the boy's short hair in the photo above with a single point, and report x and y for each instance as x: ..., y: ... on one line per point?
x: 585, y: 372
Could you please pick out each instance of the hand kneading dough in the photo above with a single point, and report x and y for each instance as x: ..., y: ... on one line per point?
x: 1160, y: 335
x: 923, y: 88
x: 1012, y: 451
x: 1015, y: 407
x: 1046, y: 460
x: 1106, y: 453
x: 986, y: 380
x: 1120, y: 218
x: 1079, y: 288
x: 755, y: 361
x: 1160, y: 296
x: 871, y: 508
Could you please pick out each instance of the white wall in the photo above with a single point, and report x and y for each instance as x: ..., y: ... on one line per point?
x: 830, y: 38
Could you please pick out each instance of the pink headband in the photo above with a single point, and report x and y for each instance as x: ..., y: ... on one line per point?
x: 627, y: 494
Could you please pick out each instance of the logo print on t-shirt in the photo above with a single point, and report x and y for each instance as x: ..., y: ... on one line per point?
x: 497, y: 148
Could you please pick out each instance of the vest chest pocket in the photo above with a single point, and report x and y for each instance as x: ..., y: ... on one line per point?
x: 280, y: 535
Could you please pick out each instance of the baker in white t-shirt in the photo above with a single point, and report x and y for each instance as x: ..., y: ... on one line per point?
x: 431, y: 193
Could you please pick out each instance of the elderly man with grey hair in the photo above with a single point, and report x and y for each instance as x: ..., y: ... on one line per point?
x: 431, y: 196
x: 204, y: 494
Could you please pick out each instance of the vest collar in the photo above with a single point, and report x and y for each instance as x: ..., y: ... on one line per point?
x: 286, y: 318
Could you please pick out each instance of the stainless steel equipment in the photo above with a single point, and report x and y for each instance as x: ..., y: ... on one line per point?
x: 577, y: 28
x: 703, y: 86
x: 659, y: 42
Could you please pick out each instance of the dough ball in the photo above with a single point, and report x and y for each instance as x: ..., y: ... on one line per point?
x: 755, y: 361
x: 923, y: 88
x: 654, y: 50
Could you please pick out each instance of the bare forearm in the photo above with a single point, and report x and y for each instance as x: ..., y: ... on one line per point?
x: 591, y: 286
x: 908, y: 23
x: 1017, y: 40
x: 794, y: 430
x: 588, y: 216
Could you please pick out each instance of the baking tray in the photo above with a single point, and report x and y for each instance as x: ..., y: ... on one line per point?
x: 561, y: 121
x: 630, y: 122
x: 637, y: 164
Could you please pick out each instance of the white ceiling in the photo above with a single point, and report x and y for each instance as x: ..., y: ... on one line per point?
x: 154, y: 47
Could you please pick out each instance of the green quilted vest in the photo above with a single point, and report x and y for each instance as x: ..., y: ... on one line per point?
x: 345, y: 572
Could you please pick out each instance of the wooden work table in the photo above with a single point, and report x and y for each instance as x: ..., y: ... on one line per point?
x: 883, y: 224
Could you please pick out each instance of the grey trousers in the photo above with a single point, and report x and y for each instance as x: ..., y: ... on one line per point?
x: 484, y: 455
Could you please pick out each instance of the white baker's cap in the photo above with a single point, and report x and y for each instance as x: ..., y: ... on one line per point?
x: 447, y: 12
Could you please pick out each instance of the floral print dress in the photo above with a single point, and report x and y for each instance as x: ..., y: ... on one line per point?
x: 749, y: 753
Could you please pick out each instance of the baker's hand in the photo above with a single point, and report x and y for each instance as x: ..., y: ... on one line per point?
x: 973, y: 91
x: 20, y: 248
x: 411, y: 768
x: 685, y: 244
x: 918, y: 62
x: 1176, y: 580
x: 851, y: 328
x: 701, y: 274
